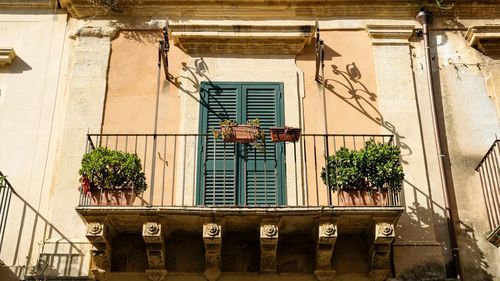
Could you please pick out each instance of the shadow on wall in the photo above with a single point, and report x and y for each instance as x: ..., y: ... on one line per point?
x: 423, y: 214
x: 22, y: 228
x: 349, y: 88
x: 18, y: 66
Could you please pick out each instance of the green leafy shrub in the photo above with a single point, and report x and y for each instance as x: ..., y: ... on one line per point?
x: 376, y: 165
x: 109, y: 169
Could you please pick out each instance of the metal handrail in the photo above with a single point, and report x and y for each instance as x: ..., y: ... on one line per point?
x: 487, y: 154
x: 307, y: 157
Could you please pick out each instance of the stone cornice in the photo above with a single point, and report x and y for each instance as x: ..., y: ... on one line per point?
x: 485, y: 39
x: 28, y: 4
x: 390, y: 34
x: 196, y: 38
x: 277, y: 9
x: 6, y: 56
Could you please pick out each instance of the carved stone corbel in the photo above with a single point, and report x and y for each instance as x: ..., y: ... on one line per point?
x: 380, y: 251
x: 99, y: 236
x: 155, y: 248
x: 269, y: 233
x: 327, y: 236
x: 212, y: 238
x: 156, y: 274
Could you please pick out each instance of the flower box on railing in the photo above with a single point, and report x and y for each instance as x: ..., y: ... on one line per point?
x: 113, y: 197
x: 240, y: 133
x: 285, y: 134
x: 357, y: 197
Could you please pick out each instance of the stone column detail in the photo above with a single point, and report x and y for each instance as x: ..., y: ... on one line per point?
x: 327, y: 236
x: 380, y: 251
x: 212, y: 237
x: 402, y: 91
x: 83, y: 104
x: 99, y: 236
x: 269, y: 233
x: 155, y: 249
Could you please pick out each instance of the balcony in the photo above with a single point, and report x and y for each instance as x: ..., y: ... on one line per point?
x: 199, y: 188
x: 489, y: 172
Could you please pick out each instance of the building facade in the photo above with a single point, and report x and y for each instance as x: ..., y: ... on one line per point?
x: 156, y: 78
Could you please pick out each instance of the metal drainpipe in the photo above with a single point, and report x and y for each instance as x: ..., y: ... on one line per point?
x: 424, y: 17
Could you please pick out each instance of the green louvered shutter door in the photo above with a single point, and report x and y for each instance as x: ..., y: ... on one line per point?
x: 238, y: 174
x: 217, y: 168
x: 262, y: 171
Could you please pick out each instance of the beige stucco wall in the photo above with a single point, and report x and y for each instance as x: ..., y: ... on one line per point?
x: 31, y: 100
x: 111, y: 87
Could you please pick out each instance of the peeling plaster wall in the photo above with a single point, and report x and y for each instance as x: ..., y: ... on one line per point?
x: 471, y: 124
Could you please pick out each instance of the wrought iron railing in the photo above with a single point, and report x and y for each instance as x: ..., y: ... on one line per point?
x: 178, y: 166
x: 489, y: 172
x: 6, y: 191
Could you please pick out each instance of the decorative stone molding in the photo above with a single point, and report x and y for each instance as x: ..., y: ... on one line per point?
x: 211, y: 231
x: 156, y: 274
x: 327, y: 236
x: 390, y: 34
x: 152, y: 234
x: 485, y: 38
x: 97, y: 233
x: 7, y: 55
x: 380, y: 251
x: 384, y: 233
x: 218, y: 38
x: 102, y: 258
x: 99, y: 236
x: 212, y: 237
x: 28, y: 4
x: 94, y: 31
x: 269, y: 233
x: 291, y: 9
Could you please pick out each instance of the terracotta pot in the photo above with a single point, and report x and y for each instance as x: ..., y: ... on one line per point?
x: 239, y: 133
x: 285, y: 134
x: 355, y: 197
x: 113, y: 197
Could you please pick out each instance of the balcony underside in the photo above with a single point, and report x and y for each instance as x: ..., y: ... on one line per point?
x: 129, y: 220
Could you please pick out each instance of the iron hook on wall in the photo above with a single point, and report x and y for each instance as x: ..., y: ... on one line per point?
x: 319, y: 48
x: 163, y: 49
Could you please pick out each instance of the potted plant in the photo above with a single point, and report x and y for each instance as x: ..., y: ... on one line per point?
x: 112, y: 177
x: 241, y: 133
x: 364, y: 177
x: 285, y: 134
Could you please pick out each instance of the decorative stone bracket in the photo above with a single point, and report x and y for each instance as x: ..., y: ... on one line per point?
x: 7, y: 55
x: 390, y: 34
x: 269, y: 233
x: 380, y: 251
x: 212, y: 238
x: 485, y: 39
x: 99, y: 235
x: 155, y: 249
x: 233, y: 38
x: 327, y: 236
